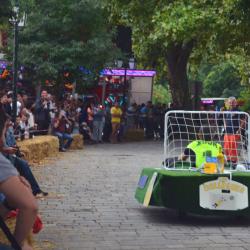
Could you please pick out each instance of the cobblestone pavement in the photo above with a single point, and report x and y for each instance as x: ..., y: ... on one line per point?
x: 94, y: 207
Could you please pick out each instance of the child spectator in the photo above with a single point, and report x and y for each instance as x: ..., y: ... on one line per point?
x: 24, y: 127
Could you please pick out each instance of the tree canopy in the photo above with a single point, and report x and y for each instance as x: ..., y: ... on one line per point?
x: 65, y: 34
x: 5, y: 12
x: 223, y: 80
x: 177, y: 32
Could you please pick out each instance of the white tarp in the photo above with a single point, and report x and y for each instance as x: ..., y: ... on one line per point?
x: 141, y: 90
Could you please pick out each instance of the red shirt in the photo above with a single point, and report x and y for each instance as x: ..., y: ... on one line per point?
x: 61, y: 127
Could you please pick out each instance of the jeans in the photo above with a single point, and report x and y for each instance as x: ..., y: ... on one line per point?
x: 97, y: 130
x: 62, y: 137
x: 24, y: 169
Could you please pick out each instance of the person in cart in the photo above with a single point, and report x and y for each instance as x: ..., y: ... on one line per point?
x: 198, y: 150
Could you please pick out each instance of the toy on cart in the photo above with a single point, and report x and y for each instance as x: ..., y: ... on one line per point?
x: 212, y: 178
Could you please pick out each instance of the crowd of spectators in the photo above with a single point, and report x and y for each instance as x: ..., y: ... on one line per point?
x: 97, y: 123
x: 110, y: 123
x: 61, y: 118
x: 46, y: 115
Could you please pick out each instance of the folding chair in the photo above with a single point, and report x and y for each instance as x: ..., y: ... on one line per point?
x: 9, y: 235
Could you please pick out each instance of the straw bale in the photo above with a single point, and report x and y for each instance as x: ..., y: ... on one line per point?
x: 134, y: 135
x: 77, y: 142
x: 39, y: 147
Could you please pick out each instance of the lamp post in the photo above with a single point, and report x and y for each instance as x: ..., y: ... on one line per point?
x: 17, y: 22
x: 103, y: 84
x: 129, y: 65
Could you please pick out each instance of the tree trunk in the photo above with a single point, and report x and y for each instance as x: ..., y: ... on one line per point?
x: 177, y: 59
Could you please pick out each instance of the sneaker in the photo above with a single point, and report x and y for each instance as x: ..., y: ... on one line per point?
x: 62, y: 150
x: 41, y: 194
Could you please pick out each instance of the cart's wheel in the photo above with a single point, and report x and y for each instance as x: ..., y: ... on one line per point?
x: 182, y: 215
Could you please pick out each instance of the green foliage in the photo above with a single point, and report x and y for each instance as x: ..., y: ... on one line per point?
x: 161, y: 94
x: 65, y: 34
x: 5, y: 8
x: 175, y: 32
x: 240, y: 59
x: 245, y: 96
x: 158, y: 25
x: 5, y: 13
x: 222, y: 81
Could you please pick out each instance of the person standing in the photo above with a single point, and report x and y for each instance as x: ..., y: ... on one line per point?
x: 233, y: 124
x: 131, y: 114
x: 116, y: 114
x: 90, y: 110
x: 6, y: 104
x: 42, y: 114
x: 150, y: 121
x: 107, y: 130
x: 98, y: 123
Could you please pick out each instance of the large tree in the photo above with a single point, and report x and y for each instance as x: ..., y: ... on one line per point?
x: 65, y: 34
x: 4, y: 11
x: 173, y: 32
x: 223, y: 80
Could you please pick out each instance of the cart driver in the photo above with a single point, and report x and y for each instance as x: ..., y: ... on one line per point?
x: 198, y: 150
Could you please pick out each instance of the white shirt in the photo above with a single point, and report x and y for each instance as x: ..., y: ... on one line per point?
x: 31, y: 120
x: 18, y: 107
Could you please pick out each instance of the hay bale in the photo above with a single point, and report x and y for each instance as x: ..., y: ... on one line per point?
x: 39, y: 147
x: 134, y: 135
x: 77, y: 142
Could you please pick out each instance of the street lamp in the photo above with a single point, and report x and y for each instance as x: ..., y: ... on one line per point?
x: 17, y: 22
x: 129, y: 65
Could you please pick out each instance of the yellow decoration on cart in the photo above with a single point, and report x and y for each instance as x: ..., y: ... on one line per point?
x: 210, y: 166
x: 221, y: 163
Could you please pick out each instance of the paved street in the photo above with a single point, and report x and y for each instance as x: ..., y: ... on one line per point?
x: 92, y: 206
